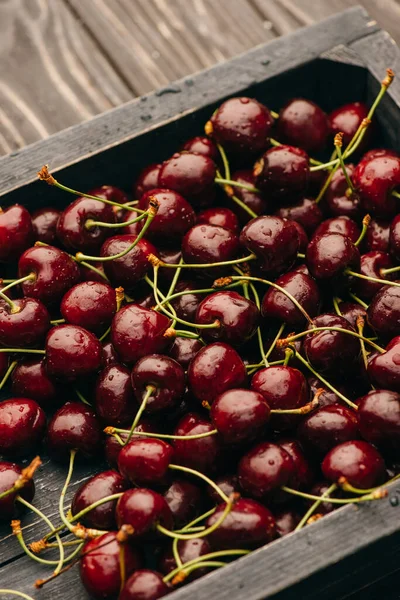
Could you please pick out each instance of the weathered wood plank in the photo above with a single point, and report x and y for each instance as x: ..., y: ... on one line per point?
x: 52, y: 74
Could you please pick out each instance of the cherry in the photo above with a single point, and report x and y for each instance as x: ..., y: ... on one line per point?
x: 379, y: 419
x: 30, y: 380
x: 239, y: 415
x: 9, y: 473
x: 303, y: 123
x: 174, y: 218
x: 371, y: 265
x: 220, y: 216
x: 215, y: 369
x: 339, y: 201
x: 25, y: 324
x: 90, y: 304
x: 383, y: 313
x: 318, y: 489
x: 16, y: 232
x: 359, y: 462
x: 237, y: 318
x: 241, y: 125
x: 205, y: 244
x: 383, y: 369
x: 188, y: 550
x: 264, y: 469
x: 351, y: 311
x: 96, y: 488
x: 303, y: 238
x: 229, y: 484
x: 183, y: 499
x: 170, y: 256
x: 347, y: 119
x: 303, y: 475
x: 286, y: 521
x: 74, y: 427
x: 132, y: 267
x: 113, y: 447
x: 341, y: 224
x: 375, y: 179
x: 143, y: 509
x: 144, y: 584
x: 329, y: 255
x: 137, y: 331
x: 145, y: 461
x: 327, y: 397
x: 22, y: 426
x: 165, y: 375
x: 277, y: 305
x: 187, y: 304
x: 114, y: 401
x: 147, y: 180
x: 132, y: 228
x: 55, y: 273
x: 100, y: 565
x: 273, y: 240
x: 87, y: 273
x: 199, y: 454
x: 377, y: 237
x: 202, y: 145
x: 327, y: 427
x: 110, y: 192
x: 394, y: 238
x: 183, y: 350
x: 44, y: 224
x: 73, y: 228
x: 109, y: 355
x: 72, y: 352
x: 189, y: 174
x: 306, y: 212
x: 282, y: 172
x: 253, y: 200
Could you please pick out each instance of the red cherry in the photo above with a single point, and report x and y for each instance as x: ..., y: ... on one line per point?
x: 90, y: 304
x: 338, y: 200
x: 371, y: 265
x: 303, y: 123
x: 44, y: 224
x: 286, y: 521
x: 347, y: 119
x: 174, y: 217
x: 25, y: 328
x: 72, y: 352
x: 189, y: 174
x: 253, y: 200
x: 384, y: 312
x: 220, y: 216
x: 379, y: 419
x: 264, y: 469
x: 145, y: 461
x: 199, y: 454
x: 144, y: 585
x: 30, y: 380
x: 394, y: 238
x: 383, y: 369
x: 205, y: 244
x: 303, y: 474
x: 282, y: 173
x: 202, y: 145
x: 131, y: 268
x: 143, y: 509
x: 183, y: 350
x: 377, y: 237
x: 188, y: 550
x: 113, y: 447
x: 74, y: 427
x: 306, y: 212
x: 184, y: 499
x: 375, y: 179
x: 359, y: 462
x: 341, y: 224
x: 165, y: 375
x: 147, y: 180
x: 329, y: 255
x: 327, y: 427
x: 73, y: 231
x: 16, y: 232
x: 22, y: 426
x: 114, y: 401
x: 109, y: 355
x: 9, y: 473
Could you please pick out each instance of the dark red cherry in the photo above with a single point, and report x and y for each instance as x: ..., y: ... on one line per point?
x: 183, y: 350
x: 394, y: 238
x: 303, y: 238
x: 44, y: 224
x: 184, y: 500
x: 371, y: 265
x: 143, y: 509
x: 249, y: 524
x: 132, y: 267
x: 273, y: 240
x: 264, y: 469
x: 25, y: 328
x: 286, y: 521
x: 96, y: 488
x: 351, y: 311
x: 303, y: 123
x: 282, y: 173
x: 55, y: 272
x: 189, y: 174
x: 327, y: 427
x: 237, y: 317
x: 187, y: 304
x: 100, y: 565
x: 72, y: 352
x: 9, y: 473
x: 379, y: 419
x: 347, y: 119
x: 145, y: 461
x: 377, y: 153
x: 239, y: 415
x: 329, y: 255
x: 241, y: 126
x: 174, y: 217
x: 375, y: 179
x: 205, y: 244
x: 202, y: 145
x: 277, y: 305
x: 165, y: 375
x: 137, y: 331
x: 74, y: 427
x: 188, y: 550
x: 253, y: 200
x: 113, y: 447
x: 73, y: 231
x: 87, y: 274
x: 359, y: 462
x: 30, y: 380
x: 132, y: 228
x: 383, y: 313
x: 16, y: 232
x: 339, y: 201
x: 147, y: 180
x: 220, y: 216
x: 22, y: 426
x: 327, y: 397
x: 215, y: 369
x: 384, y: 369
x: 114, y: 401
x: 306, y: 212
x: 377, y: 237
x: 229, y: 484
x: 199, y: 454
x: 90, y: 304
x: 341, y: 224
x: 303, y: 474
x: 171, y: 256
x: 110, y: 192
x: 109, y: 355
x: 319, y: 488
x: 144, y: 585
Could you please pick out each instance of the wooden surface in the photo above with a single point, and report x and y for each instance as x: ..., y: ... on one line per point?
x: 63, y: 61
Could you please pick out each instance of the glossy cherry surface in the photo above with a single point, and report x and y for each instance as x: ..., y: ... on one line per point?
x: 375, y: 179
x: 371, y: 265
x: 220, y: 216
x: 130, y: 268
x: 16, y: 232
x: 303, y: 123
x: 72, y: 352
x: 9, y: 473
x: 22, y: 426
x: 145, y: 461
x: 114, y: 400
x: 112, y: 446
x: 342, y: 224
x: 379, y: 419
x: 303, y: 473
x: 205, y: 244
x: 25, y: 328
x: 187, y: 304
x: 329, y: 255
x: 90, y: 304
x: 394, y: 238
x: 253, y: 200
x: 199, y: 454
x: 44, y: 224
x: 264, y: 469
x: 358, y: 461
x: 306, y: 212
x: 339, y: 200
x: 189, y: 174
x: 378, y: 235
x: 147, y: 180
x: 347, y: 119
x: 74, y: 427
x: 183, y: 350
x: 327, y: 427
x: 384, y: 312
x: 72, y: 229
x: 30, y: 380
x: 383, y: 369
x: 202, y: 145
x: 144, y: 584
x: 283, y: 172
x: 165, y: 374
x: 143, y: 509
x: 184, y: 500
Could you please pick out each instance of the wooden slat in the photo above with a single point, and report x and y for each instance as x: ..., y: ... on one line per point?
x: 52, y: 74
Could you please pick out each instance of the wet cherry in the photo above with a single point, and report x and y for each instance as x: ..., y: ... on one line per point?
x: 22, y: 426
x: 303, y: 123
x: 90, y: 304
x: 72, y: 352
x: 358, y: 461
x: 44, y: 224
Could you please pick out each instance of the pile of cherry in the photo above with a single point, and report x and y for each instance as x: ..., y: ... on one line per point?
x: 229, y: 340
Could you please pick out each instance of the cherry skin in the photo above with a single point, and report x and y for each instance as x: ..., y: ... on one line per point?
x: 341, y: 224
x: 16, y: 232
x: 165, y: 374
x: 202, y: 145
x: 306, y: 212
x: 276, y: 305
x: 72, y: 352
x: 109, y: 355
x: 375, y: 179
x: 147, y: 180
x: 184, y: 499
x: 189, y: 174
x: 96, y: 488
x: 44, y: 224
x: 241, y: 125
x: 394, y: 238
x: 303, y: 123
x: 318, y: 489
x: 220, y: 216
x: 145, y: 461
x: 199, y: 454
x: 371, y: 264
x: 347, y: 119
x: 358, y: 461
x: 286, y: 521
x: 253, y: 200
x: 9, y: 473
x: 205, y: 244
x: 143, y: 509
x: 303, y: 474
x: 90, y: 304
x: 183, y: 350
x: 351, y: 311
x: 137, y: 331
x: 338, y: 200
x: 131, y: 268
x: 113, y: 447
x: 25, y: 328
x: 329, y: 255
x: 378, y: 235
x: 237, y: 316
x: 114, y: 400
x: 264, y: 469
x: 303, y: 238
x: 383, y: 313
x: 22, y: 426
x: 72, y: 229
x: 144, y: 584
x: 327, y: 397
x: 327, y: 427
x: 100, y: 569
x: 379, y: 419
x: 273, y: 240
x: 383, y: 369
x: 282, y: 173
x: 30, y: 380
x: 188, y: 550
x: 186, y: 305
x: 229, y: 484
x: 239, y: 415
x: 215, y: 369
x: 74, y: 427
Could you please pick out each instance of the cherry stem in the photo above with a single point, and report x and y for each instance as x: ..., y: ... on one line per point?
x: 24, y: 478
x: 396, y: 194
x: 300, y: 255
x: 358, y: 300
x: 7, y: 375
x: 288, y: 356
x: 188, y: 527
x: 150, y: 389
x: 81, y: 397
x: 24, y: 350
x: 274, y: 115
x: 314, y: 506
x: 90, y: 223
x: 302, y: 410
x: 162, y: 436
x: 201, y: 562
x: 64, y: 490
x: 174, y: 281
x: 335, y: 302
x: 224, y: 161
x: 297, y: 336
x: 12, y: 305
x: 259, y: 334
x: 364, y: 498
x: 186, y: 292
x: 365, y: 224
x: 347, y: 487
x: 338, y: 145
x: 83, y: 263
x: 203, y: 477
x: 15, y: 593
x: 232, y: 183
x: 154, y: 260
x: 276, y: 338
x: 243, y: 206
x: 360, y: 322
x: 391, y: 270
x: 122, y: 569
x: 57, y: 321
x: 374, y: 279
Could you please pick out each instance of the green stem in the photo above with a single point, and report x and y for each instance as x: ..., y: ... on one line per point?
x: 203, y: 477
x: 186, y: 292
x: 14, y: 282
x: 64, y: 490
x: 208, y: 265
x: 391, y: 270
x: 167, y: 436
x: 225, y: 162
x: 335, y: 302
x: 276, y: 338
x: 83, y: 263
x: 314, y: 506
x: 90, y: 223
x: 368, y: 278
x: 358, y: 300
x: 297, y: 336
x: 365, y: 498
x: 341, y: 162
x: 7, y: 375
x: 57, y: 321
x: 288, y: 356
x: 22, y: 350
x: 243, y: 206
x: 150, y: 389
x: 244, y: 186
x: 365, y: 224
x: 81, y: 397
x: 15, y: 593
